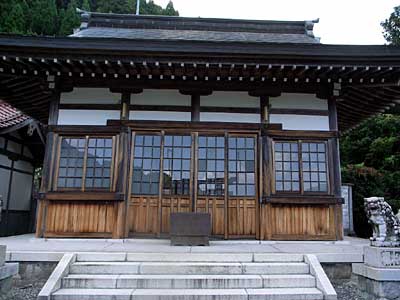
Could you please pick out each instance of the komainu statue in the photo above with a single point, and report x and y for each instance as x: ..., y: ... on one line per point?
x: 385, y: 224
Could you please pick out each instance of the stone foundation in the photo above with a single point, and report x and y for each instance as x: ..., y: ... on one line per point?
x: 378, y: 278
x: 7, y: 271
x: 377, y: 290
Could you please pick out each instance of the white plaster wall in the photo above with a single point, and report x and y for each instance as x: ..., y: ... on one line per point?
x: 229, y: 117
x: 4, y: 180
x: 14, y: 147
x: 27, y: 152
x: 86, y: 117
x: 160, y: 115
x: 298, y: 101
x: 90, y: 96
x: 300, y: 122
x: 230, y: 99
x: 23, y: 166
x: 161, y: 97
x: 21, y: 190
x: 4, y: 161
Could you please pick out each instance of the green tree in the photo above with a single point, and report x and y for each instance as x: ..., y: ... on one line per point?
x: 44, y: 17
x: 170, y: 10
x: 371, y: 162
x: 13, y: 20
x: 391, y: 27
x: 69, y: 19
x: 86, y: 5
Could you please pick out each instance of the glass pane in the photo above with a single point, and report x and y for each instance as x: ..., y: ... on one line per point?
x: 211, y: 165
x: 241, y: 166
x: 314, y: 168
x: 146, y: 162
x: 71, y: 162
x: 286, y: 160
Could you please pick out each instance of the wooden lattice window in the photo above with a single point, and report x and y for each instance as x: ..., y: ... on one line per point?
x: 176, y: 165
x: 287, y: 167
x: 98, y: 166
x: 241, y: 166
x: 211, y: 165
x: 146, y: 165
x: 72, y: 154
x: 314, y: 167
x: 301, y: 166
x: 85, y: 163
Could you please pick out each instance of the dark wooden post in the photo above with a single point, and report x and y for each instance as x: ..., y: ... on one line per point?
x: 125, y: 102
x: 195, y: 111
x: 264, y: 109
x: 47, y: 172
x: 337, y: 179
x: 122, y: 164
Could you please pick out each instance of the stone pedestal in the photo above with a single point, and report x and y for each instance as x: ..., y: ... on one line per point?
x: 7, y: 271
x: 379, y: 276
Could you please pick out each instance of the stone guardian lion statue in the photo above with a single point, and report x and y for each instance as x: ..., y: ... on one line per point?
x: 385, y: 224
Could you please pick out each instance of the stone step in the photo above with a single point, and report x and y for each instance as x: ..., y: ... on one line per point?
x: 188, y: 268
x: 189, y: 294
x: 186, y: 281
x: 190, y: 257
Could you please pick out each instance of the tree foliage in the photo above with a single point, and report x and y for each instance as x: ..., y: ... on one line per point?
x: 59, y: 17
x: 391, y: 27
x: 371, y: 162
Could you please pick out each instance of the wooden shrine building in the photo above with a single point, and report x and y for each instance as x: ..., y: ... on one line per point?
x: 151, y: 115
x: 21, y: 151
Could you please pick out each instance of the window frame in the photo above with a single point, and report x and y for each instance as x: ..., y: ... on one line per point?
x: 83, y: 188
x: 301, y: 191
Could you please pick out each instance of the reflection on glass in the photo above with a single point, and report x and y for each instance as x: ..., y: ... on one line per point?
x: 314, y: 168
x: 241, y: 166
x: 71, y: 162
x: 146, y: 165
x: 211, y: 165
x: 287, y: 166
x: 176, y: 169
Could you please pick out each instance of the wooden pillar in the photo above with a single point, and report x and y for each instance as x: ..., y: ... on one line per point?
x: 264, y: 109
x: 47, y: 172
x: 122, y: 184
x: 337, y: 179
x: 195, y: 111
x: 125, y: 102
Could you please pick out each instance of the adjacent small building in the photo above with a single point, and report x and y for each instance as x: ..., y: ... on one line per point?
x: 149, y: 115
x: 21, y: 150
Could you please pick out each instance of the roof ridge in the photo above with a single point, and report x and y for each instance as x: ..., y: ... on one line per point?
x: 111, y: 20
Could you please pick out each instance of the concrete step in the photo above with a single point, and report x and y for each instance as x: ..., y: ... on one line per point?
x: 285, y: 294
x: 190, y: 257
x: 188, y: 268
x: 189, y: 294
x: 186, y: 281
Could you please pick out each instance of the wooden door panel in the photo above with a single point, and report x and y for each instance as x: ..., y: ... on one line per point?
x: 172, y: 204
x: 242, y: 216
x: 143, y: 215
x: 216, y: 207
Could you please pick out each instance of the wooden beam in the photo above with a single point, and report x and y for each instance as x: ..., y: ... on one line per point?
x: 264, y: 109
x: 333, y: 125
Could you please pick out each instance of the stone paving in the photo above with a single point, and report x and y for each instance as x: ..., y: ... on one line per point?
x: 25, y: 247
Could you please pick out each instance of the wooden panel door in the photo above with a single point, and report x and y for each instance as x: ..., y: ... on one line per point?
x: 242, y: 200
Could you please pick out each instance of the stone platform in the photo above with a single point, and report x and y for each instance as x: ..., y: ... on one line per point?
x: 379, y: 276
x: 30, y: 249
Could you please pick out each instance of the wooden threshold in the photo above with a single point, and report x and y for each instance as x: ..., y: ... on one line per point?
x: 83, y: 196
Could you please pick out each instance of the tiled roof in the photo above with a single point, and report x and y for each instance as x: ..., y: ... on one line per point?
x: 165, y: 28
x: 9, y: 116
x: 195, y: 35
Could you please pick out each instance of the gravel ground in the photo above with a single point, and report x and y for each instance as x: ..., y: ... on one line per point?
x: 23, y: 290
x: 346, y: 290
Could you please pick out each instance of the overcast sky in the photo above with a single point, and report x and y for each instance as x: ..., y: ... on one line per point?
x: 341, y: 21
